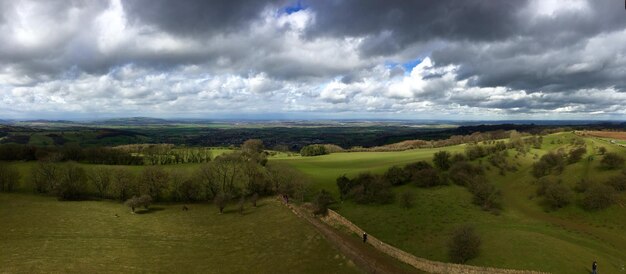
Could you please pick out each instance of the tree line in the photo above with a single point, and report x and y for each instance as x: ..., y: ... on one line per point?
x: 245, y: 174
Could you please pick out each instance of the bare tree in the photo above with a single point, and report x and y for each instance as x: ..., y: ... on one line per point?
x: 154, y: 181
x: 100, y: 177
x: 123, y: 183
x: 44, y: 175
x: 9, y: 178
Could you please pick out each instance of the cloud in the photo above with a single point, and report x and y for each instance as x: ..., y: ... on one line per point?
x: 345, y: 58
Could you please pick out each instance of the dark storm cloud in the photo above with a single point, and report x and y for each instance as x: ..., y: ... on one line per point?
x: 392, y: 25
x: 198, y: 17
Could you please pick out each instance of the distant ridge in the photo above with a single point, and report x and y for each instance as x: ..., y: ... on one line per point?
x: 134, y: 121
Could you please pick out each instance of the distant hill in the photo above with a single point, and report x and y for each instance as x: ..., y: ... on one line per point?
x: 135, y: 121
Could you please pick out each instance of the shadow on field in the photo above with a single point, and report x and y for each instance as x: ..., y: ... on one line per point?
x: 150, y: 210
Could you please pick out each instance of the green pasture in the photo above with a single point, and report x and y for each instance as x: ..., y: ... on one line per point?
x: 42, y: 235
x: 525, y: 235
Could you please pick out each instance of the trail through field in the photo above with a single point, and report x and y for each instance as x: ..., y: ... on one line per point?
x: 363, y: 255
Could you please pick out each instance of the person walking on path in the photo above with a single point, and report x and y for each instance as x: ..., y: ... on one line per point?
x: 365, y: 238
x: 594, y: 268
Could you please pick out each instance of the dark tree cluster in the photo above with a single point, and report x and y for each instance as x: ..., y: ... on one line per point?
x: 9, y: 177
x: 366, y: 188
x: 313, y: 150
x: 612, y: 160
x: 555, y: 193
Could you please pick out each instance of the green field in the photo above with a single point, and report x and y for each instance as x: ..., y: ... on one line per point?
x: 524, y: 236
x: 45, y: 235
x: 40, y: 234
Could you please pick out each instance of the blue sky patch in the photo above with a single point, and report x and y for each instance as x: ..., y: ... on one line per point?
x: 296, y: 7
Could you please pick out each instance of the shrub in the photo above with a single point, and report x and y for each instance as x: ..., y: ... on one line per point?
x: 407, y: 199
x: 464, y: 173
x: 576, y: 154
x: 598, y: 197
x: 485, y: 195
x: 144, y: 201
x: 322, y: 201
x: 558, y: 195
x: 396, y: 176
x: 428, y: 178
x: 345, y: 185
x: 602, y: 150
x: 617, y: 182
x: 441, y: 160
x: 464, y: 245
x: 612, y: 160
x: 583, y: 185
x: 313, y: 150
x: 547, y: 163
x: 368, y: 188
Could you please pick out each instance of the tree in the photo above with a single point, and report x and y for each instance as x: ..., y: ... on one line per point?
x: 254, y: 199
x: 598, y: 197
x: 135, y: 202
x: 221, y: 200
x: 464, y: 244
x: 241, y: 205
x: 184, y: 188
x: 407, y: 199
x: 100, y: 177
x: 576, y: 154
x: 154, y: 181
x: 558, y: 196
x: 396, y: 176
x: 485, y: 195
x: 322, y: 201
x: 252, y: 146
x: 617, y: 182
x: 345, y: 185
x: 123, y: 183
x: 44, y: 176
x: 313, y: 150
x: 9, y: 178
x: 441, y: 160
x: 427, y: 178
x: 602, y: 150
x: 71, y: 182
x: 612, y: 160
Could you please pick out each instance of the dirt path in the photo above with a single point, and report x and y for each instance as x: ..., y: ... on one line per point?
x: 363, y: 255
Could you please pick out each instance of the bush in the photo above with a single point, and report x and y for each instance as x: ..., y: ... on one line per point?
x: 396, y: 176
x: 407, y: 199
x: 547, y: 163
x: 612, y: 160
x: 9, y: 178
x: 441, y: 160
x: 486, y: 195
x: 617, y: 182
x: 322, y: 201
x: 428, y: 178
x: 368, y: 188
x: 558, y: 195
x: 598, y: 197
x: 465, y: 174
x: 576, y: 154
x: 313, y: 150
x: 583, y: 185
x: 464, y: 245
x: 154, y: 181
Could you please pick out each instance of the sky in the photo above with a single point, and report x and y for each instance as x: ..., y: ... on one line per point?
x: 334, y: 59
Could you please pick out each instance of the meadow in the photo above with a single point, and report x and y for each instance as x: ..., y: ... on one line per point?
x: 47, y: 235
x: 525, y: 235
x: 40, y: 234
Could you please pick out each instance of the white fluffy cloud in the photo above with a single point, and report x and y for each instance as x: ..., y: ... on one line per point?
x: 87, y: 59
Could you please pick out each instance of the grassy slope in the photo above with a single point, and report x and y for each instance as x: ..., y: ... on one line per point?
x: 40, y: 234
x: 523, y: 236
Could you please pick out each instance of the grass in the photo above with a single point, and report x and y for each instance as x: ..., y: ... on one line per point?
x: 41, y: 234
x: 524, y: 236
